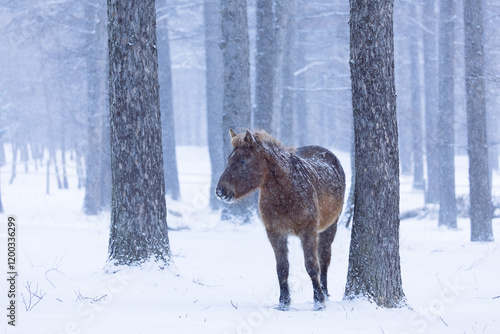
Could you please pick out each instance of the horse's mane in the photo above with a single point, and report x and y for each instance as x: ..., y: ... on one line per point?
x: 268, y: 141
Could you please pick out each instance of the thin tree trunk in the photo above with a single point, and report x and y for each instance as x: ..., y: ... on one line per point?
x: 1, y: 205
x: 374, y: 265
x: 167, y: 110
x: 446, y: 116
x: 214, y: 91
x: 236, y: 102
x: 430, y: 70
x: 416, y: 127
x: 96, y: 79
x: 349, y: 206
x: 23, y: 150
x: 63, y: 162
x: 79, y: 169
x: 264, y: 66
x: 48, y: 176
x: 287, y: 92
x: 2, y: 154
x: 300, y: 105
x: 477, y: 139
x: 52, y: 155
x: 14, y: 162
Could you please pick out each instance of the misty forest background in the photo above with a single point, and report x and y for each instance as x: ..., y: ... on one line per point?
x: 54, y: 85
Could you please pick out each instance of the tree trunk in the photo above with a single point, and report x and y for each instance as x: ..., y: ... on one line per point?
x: 430, y: 70
x: 374, y: 265
x: 236, y: 102
x: 138, y: 212
x: 94, y: 201
x: 63, y: 160
x: 167, y: 111
x: 14, y: 162
x: 214, y: 90
x: 264, y: 66
x: 446, y: 116
x: 300, y: 100
x: 1, y: 205
x: 2, y: 154
x: 416, y: 124
x: 477, y: 139
x: 287, y: 92
x: 349, y: 206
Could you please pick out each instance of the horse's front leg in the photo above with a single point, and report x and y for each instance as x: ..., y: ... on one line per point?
x: 309, y: 241
x: 280, y: 246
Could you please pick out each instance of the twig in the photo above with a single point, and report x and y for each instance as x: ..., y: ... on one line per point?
x: 33, y: 297
x: 235, y: 306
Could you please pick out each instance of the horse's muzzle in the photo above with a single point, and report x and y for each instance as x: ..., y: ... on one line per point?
x: 224, y: 194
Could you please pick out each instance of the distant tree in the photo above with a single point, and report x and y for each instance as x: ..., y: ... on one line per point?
x: 167, y: 108
x: 300, y: 96
x: 264, y: 66
x: 348, y: 212
x: 138, y: 212
x: 374, y: 265
x: 215, y: 92
x: 477, y: 139
x: 431, y: 92
x: 416, y: 96
x: 1, y: 205
x: 97, y: 169
x: 446, y: 115
x: 236, y: 102
x: 288, y: 65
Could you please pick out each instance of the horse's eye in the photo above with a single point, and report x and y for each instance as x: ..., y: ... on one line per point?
x: 242, y: 161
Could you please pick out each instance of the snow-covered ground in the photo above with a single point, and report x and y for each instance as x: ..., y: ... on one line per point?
x: 223, y: 279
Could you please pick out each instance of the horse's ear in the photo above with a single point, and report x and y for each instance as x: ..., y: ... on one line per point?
x: 232, y: 133
x: 249, y: 138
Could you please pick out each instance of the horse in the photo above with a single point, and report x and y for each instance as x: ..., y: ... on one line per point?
x: 301, y: 194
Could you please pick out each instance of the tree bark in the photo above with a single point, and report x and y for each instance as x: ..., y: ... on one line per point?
x: 138, y: 212
x: 214, y: 90
x: 416, y: 110
x: 430, y: 70
x: 446, y: 116
x: 236, y: 102
x: 95, y: 196
x: 264, y: 66
x: 287, y: 92
x: 477, y: 139
x: 374, y: 265
x: 167, y: 111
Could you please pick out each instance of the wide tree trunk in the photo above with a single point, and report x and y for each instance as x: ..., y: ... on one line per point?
x: 374, y: 265
x: 477, y: 139
x: 138, y: 212
x: 215, y: 91
x: 446, y: 116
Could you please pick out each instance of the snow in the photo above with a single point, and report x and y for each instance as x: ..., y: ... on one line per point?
x: 223, y: 279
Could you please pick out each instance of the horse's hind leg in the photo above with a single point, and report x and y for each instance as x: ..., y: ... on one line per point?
x: 325, y: 254
x: 310, y: 248
x: 280, y: 247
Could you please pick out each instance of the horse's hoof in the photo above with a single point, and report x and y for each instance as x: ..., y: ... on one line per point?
x: 283, y: 307
x: 319, y: 306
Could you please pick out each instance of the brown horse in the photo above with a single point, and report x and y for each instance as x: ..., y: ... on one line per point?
x: 301, y: 193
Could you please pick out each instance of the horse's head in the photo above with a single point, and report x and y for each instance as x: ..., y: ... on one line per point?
x: 245, y: 168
